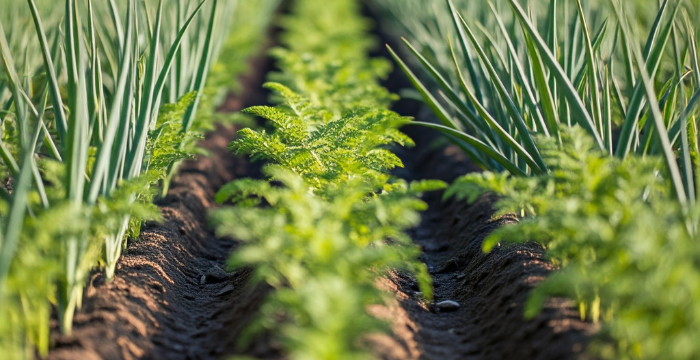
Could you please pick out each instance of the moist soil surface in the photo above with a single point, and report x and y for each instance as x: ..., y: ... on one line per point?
x: 172, y: 299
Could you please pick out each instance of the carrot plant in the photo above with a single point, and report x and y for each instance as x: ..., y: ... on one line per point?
x: 98, y: 103
x: 328, y: 220
x: 620, y: 238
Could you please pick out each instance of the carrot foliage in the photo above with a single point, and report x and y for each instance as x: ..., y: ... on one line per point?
x: 327, y: 222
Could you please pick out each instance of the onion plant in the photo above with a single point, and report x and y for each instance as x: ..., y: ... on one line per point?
x: 532, y: 73
x: 100, y: 130
x: 85, y: 137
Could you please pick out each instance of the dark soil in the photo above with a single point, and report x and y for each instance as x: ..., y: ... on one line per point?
x: 171, y: 297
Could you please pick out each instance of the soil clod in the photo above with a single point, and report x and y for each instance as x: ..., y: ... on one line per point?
x: 447, y: 306
x: 216, y: 274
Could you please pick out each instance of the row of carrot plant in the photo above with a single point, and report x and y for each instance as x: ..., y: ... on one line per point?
x: 98, y: 106
x: 326, y: 222
x: 591, y: 137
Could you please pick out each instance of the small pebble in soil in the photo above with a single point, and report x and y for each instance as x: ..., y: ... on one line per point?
x: 418, y: 294
x: 203, y: 280
x: 227, y: 289
x: 216, y: 274
x: 460, y: 276
x: 447, y: 306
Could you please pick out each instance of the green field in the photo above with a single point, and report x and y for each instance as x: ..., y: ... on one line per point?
x: 579, y: 120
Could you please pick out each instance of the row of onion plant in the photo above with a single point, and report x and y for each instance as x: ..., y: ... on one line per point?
x: 521, y: 79
x: 86, y: 139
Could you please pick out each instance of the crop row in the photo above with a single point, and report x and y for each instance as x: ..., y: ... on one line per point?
x: 591, y: 138
x: 327, y: 222
x: 99, y: 105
